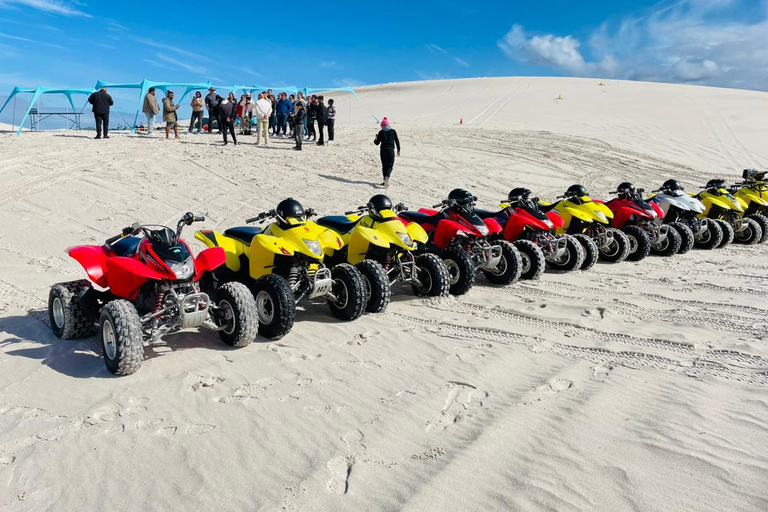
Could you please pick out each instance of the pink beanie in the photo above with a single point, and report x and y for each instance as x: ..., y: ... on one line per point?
x: 385, y: 122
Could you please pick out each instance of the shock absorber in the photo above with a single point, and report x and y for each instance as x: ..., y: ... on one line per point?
x: 158, y: 302
x: 387, y: 262
x: 293, y: 277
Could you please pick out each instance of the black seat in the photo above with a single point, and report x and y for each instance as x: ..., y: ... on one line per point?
x: 243, y: 233
x: 486, y: 214
x: 126, y: 246
x: 337, y: 223
x: 418, y: 217
x: 547, y: 207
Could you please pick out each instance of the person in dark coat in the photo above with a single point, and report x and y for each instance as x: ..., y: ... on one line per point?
x: 311, y: 116
x: 227, y: 111
x: 101, y: 102
x: 212, y: 104
x: 387, y: 139
x: 298, y: 125
x: 321, y: 113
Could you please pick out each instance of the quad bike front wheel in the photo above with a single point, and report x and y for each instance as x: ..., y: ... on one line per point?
x: 377, y: 288
x: 762, y: 220
x: 639, y: 243
x: 65, y: 310
x: 710, y: 238
x: 432, y: 273
x: 349, y: 291
x: 275, y: 306
x: 591, y: 251
x: 508, y: 269
x: 670, y: 246
x: 121, y: 338
x: 728, y: 232
x: 686, y: 236
x: 751, y: 234
x: 618, y: 250
x: 461, y: 271
x: 573, y: 257
x: 237, y: 314
x: 531, y: 259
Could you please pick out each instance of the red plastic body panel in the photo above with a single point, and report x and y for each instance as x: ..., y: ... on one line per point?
x: 208, y: 260
x: 519, y: 220
x: 446, y: 231
x: 556, y: 219
x: 93, y: 258
x: 493, y: 226
x: 623, y: 210
x: 127, y: 275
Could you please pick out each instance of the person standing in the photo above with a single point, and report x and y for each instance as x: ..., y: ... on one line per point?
x: 292, y: 99
x: 311, y: 118
x: 150, y: 109
x: 227, y: 113
x: 246, y: 113
x: 263, y: 111
x: 197, y: 104
x: 170, y: 116
x: 273, y: 117
x: 298, y: 123
x: 331, y: 121
x: 101, y: 102
x: 304, y: 103
x: 211, y: 103
x: 321, y: 113
x: 283, y: 109
x: 387, y: 139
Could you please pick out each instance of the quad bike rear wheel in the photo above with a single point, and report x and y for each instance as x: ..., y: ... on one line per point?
x: 121, y: 337
x: 531, y: 259
x: 618, y: 250
x: 350, y: 293
x: 275, y: 306
x: 751, y: 234
x: 378, y: 290
x: 670, y: 246
x: 591, y: 251
x: 65, y: 310
x: 728, y: 232
x: 238, y: 314
x: 639, y: 243
x: 762, y: 220
x: 461, y: 271
x: 433, y: 276
x: 508, y: 269
x: 574, y: 255
x: 711, y: 238
x: 686, y: 236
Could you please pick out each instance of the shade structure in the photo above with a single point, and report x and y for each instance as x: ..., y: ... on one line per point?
x: 39, y: 91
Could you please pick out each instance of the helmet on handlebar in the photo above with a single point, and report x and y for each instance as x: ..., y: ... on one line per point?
x: 291, y: 211
x: 576, y: 191
x: 626, y: 190
x: 521, y: 198
x: 462, y: 200
x: 715, y: 183
x: 753, y: 175
x: 671, y: 186
x: 379, y: 204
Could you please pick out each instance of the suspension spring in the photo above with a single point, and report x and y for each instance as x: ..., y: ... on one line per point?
x: 293, y: 276
x: 158, y: 302
x: 387, y: 262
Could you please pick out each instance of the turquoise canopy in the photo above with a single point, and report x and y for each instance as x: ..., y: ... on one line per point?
x: 39, y: 91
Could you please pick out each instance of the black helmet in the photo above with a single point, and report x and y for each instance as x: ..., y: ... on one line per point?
x: 576, y: 191
x: 518, y: 194
x: 463, y: 200
x: 378, y: 203
x: 716, y: 183
x: 672, y: 186
x: 290, y: 209
x: 626, y: 190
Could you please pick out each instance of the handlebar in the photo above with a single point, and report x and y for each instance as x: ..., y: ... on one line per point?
x: 560, y: 197
x: 356, y: 210
x: 400, y: 207
x: 613, y: 193
x: 262, y: 217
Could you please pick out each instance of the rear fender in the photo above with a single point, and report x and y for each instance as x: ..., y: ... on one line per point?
x: 232, y: 248
x: 209, y: 260
x: 93, y: 258
x: 361, y: 240
x: 126, y: 276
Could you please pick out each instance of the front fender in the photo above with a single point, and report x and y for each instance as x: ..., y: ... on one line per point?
x: 493, y: 226
x: 362, y: 238
x: 126, y: 276
x: 556, y: 219
x: 416, y: 232
x: 209, y: 260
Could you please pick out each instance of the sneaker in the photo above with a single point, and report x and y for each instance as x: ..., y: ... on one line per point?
x: 386, y: 183
x: 320, y: 144
x: 97, y: 137
x: 330, y: 142
x: 383, y: 184
x: 106, y: 136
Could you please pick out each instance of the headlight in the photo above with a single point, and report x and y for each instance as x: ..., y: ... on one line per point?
x: 183, y: 270
x: 313, y: 246
x: 602, y: 216
x: 482, y: 228
x: 406, y: 239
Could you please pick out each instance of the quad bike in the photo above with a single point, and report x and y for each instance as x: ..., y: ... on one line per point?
x: 589, y: 221
x: 642, y: 223
x: 754, y: 192
x: 283, y: 264
x: 729, y: 210
x: 461, y: 239
x: 682, y: 213
x: 153, y: 286
x: 532, y: 232
x: 382, y: 247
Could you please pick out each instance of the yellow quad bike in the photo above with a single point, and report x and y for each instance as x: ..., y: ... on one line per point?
x: 381, y: 246
x: 589, y: 222
x: 728, y: 210
x: 754, y: 191
x: 283, y: 264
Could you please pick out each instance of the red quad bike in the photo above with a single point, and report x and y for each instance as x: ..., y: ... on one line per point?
x: 461, y: 239
x: 642, y: 223
x: 152, y: 286
x: 533, y: 234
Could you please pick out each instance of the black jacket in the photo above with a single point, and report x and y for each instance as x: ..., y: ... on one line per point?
x: 321, y: 113
x: 311, y: 109
x: 228, y: 110
x: 299, y: 116
x: 388, y: 139
x: 101, y: 102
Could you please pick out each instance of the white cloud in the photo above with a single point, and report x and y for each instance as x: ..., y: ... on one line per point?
x: 433, y: 48
x: 51, y: 6
x: 461, y: 62
x: 432, y: 75
x: 199, y: 70
x: 27, y: 40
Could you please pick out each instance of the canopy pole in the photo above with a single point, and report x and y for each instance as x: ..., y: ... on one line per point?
x: 13, y: 121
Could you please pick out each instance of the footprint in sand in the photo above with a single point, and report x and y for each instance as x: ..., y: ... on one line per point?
x: 353, y: 439
x: 188, y: 430
x: 289, y: 354
x: 555, y: 385
x: 340, y: 468
x: 601, y: 371
x: 462, y: 400
x: 7, y: 460
x: 199, y: 381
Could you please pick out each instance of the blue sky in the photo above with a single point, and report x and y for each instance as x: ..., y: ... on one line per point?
x: 75, y: 42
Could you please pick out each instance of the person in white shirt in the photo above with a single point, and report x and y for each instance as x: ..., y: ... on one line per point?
x: 263, y: 111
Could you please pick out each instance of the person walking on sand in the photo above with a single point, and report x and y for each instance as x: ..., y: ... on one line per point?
x: 150, y: 109
x: 227, y: 113
x: 170, y: 116
x: 246, y: 113
x: 197, y: 104
x: 330, y: 122
x: 211, y: 103
x: 101, y: 102
x: 263, y: 112
x: 298, y: 124
x: 321, y: 113
x: 387, y: 139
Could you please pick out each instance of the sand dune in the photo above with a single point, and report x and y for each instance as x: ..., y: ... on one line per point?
x: 638, y: 386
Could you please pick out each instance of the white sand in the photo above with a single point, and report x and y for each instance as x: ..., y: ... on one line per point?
x: 639, y: 386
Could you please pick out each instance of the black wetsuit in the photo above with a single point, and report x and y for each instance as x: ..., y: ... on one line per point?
x: 387, y: 139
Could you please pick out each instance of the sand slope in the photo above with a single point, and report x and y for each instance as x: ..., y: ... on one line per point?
x: 639, y: 386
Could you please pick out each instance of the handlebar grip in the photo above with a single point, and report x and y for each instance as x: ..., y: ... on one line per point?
x: 253, y: 219
x: 350, y: 212
x: 614, y: 192
x: 199, y: 218
x: 114, y: 239
x: 560, y: 197
x: 438, y: 205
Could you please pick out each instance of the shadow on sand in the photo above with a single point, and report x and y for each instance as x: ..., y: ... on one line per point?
x: 352, y: 182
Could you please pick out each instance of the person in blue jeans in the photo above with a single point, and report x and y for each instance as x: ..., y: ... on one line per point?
x: 284, y: 108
